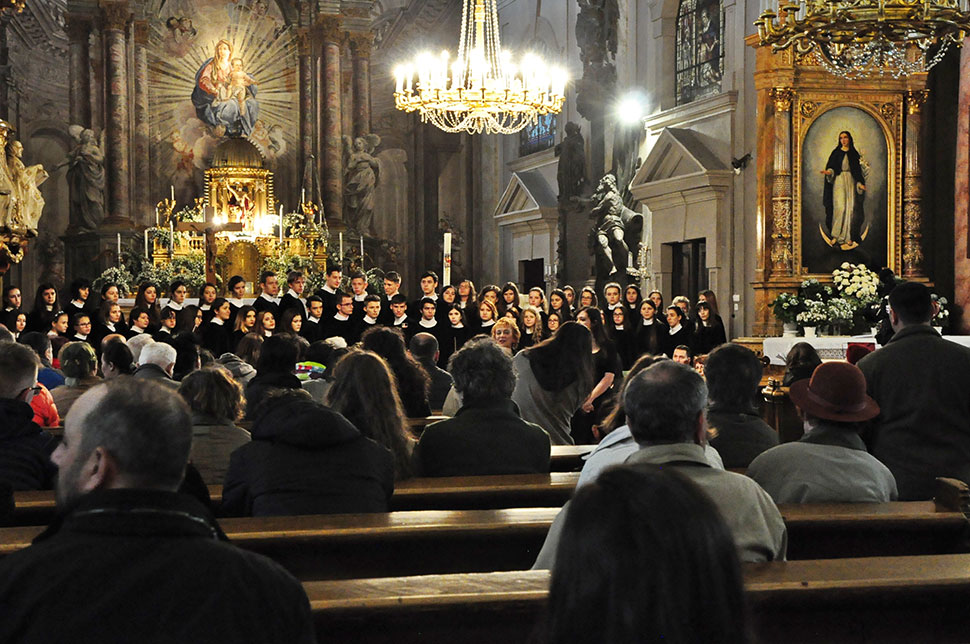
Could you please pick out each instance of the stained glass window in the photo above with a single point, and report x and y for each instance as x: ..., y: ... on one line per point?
x: 699, y: 54
x: 542, y: 135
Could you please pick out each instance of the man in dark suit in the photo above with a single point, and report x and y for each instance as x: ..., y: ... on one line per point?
x: 267, y: 301
x: 399, y: 314
x: 340, y: 323
x: 358, y: 288
x: 392, y: 287
x: 429, y: 290
x: 312, y: 328
x: 294, y: 296
x: 328, y: 293
x: 370, y: 316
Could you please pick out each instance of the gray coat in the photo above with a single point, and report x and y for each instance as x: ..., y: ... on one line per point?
x: 550, y: 410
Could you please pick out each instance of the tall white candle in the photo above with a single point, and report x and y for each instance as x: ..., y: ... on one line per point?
x: 340, y: 237
x: 173, y: 194
x: 361, y: 252
x: 156, y: 216
x: 171, y: 238
x: 119, y: 249
x: 281, y: 227
x: 446, y: 269
x: 302, y: 196
x: 146, y: 243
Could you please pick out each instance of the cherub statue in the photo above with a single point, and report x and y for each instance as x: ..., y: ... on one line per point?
x: 360, y: 180
x: 85, y: 175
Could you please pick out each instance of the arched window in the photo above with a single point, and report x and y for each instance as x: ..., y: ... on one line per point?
x: 700, y: 54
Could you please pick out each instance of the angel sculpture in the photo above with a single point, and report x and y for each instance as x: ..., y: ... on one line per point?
x: 85, y: 175
x: 360, y: 180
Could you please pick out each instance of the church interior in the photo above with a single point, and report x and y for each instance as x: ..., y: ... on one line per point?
x: 784, y: 163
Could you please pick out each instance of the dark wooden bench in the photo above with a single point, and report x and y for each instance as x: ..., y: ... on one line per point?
x: 898, y: 599
x: 446, y: 493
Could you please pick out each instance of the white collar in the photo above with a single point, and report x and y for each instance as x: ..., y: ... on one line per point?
x: 369, y: 320
x: 76, y: 335
x: 428, y: 324
x: 174, y: 305
x: 388, y: 297
x: 618, y: 328
x: 206, y: 307
x: 78, y: 303
x: 341, y: 317
x: 326, y: 289
x: 236, y: 301
x: 612, y: 306
x: 458, y: 326
x: 433, y: 296
x: 267, y: 333
x: 529, y: 331
x: 648, y: 322
x: 675, y: 329
x: 110, y: 326
x: 136, y: 329
x: 401, y: 320
x: 218, y: 321
x: 489, y: 323
x: 292, y: 293
x: 270, y: 298
x: 310, y: 318
x: 165, y: 329
x: 360, y: 298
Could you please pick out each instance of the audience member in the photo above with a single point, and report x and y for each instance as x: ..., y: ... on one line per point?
x: 412, y: 381
x: 553, y: 379
x: 709, y: 330
x: 607, y: 369
x: 188, y: 356
x: 830, y: 463
x: 274, y: 370
x: 641, y: 550
x: 134, y: 560
x: 683, y: 355
x: 116, y: 360
x: 664, y: 406
x: 800, y: 363
x: 487, y: 435
x: 505, y: 333
x: 157, y: 363
x: 619, y: 444
x: 920, y: 382
x: 306, y: 459
x: 733, y: 373
x: 424, y: 348
x: 136, y: 345
x: 80, y: 366
x: 41, y: 345
x: 249, y: 348
x: 25, y: 448
x: 216, y: 402
x: 242, y: 372
x: 364, y: 392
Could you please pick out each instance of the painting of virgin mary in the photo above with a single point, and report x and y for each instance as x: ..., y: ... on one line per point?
x: 225, y: 96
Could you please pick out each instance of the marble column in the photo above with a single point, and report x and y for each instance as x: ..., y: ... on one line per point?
x: 140, y: 140
x: 116, y: 16
x: 4, y: 69
x: 912, y: 195
x: 78, y: 29
x: 961, y: 202
x: 360, y: 48
x: 333, y: 183
x: 306, y: 107
x: 782, y: 257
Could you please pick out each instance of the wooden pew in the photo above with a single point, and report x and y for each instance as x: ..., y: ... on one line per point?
x: 436, y: 541
x: 898, y: 599
x: 446, y: 493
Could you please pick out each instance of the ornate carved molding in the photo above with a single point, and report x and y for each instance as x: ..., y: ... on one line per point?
x: 116, y: 15
x: 361, y: 44
x: 888, y: 111
x: 140, y: 28
x: 302, y: 37
x: 808, y: 109
x: 912, y: 239
x: 915, y: 100
x: 782, y: 97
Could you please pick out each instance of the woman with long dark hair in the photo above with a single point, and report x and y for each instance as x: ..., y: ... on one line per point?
x: 621, y: 331
x: 455, y: 335
x: 45, y: 307
x: 640, y: 550
x: 631, y: 299
x: 467, y: 295
x: 245, y: 323
x: 234, y: 294
x: 147, y: 298
x: 412, y: 381
x: 677, y: 331
x: 607, y: 369
x: 554, y: 378
x: 216, y: 336
x: 708, y: 331
x: 844, y: 192
x: 364, y: 391
x: 510, y: 298
x: 559, y: 304
x: 79, y: 291
x: 207, y: 296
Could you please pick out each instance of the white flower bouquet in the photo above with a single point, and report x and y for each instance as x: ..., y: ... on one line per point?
x: 815, y: 313
x: 856, y: 282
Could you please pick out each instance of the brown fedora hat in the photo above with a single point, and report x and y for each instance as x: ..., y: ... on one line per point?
x: 836, y: 391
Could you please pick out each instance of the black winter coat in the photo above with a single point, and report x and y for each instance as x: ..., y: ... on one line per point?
x: 25, y: 448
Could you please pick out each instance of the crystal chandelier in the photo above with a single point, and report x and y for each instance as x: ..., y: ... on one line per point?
x: 481, y: 91
x: 857, y: 39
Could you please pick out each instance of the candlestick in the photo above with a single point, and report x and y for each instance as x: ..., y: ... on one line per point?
x: 146, y: 243
x: 446, y: 272
x: 361, y: 252
x: 156, y: 216
x: 281, y: 227
x: 171, y: 239
x: 119, y: 249
x: 340, y: 236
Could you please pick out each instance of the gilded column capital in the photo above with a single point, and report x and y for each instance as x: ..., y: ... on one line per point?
x: 331, y: 29
x: 78, y: 27
x: 140, y: 28
x: 782, y: 97
x: 361, y: 43
x: 116, y: 15
x: 915, y: 100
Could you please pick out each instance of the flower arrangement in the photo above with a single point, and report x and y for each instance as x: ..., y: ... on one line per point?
x: 840, y: 312
x: 786, y: 307
x: 856, y: 282
x: 283, y: 264
x: 118, y: 275
x: 943, y: 314
x: 814, y: 313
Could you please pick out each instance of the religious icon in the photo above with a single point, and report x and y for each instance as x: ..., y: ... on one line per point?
x: 844, y: 195
x: 225, y: 94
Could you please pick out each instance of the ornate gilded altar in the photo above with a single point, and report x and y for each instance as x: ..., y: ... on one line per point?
x: 236, y: 225
x: 808, y: 222
x: 21, y: 203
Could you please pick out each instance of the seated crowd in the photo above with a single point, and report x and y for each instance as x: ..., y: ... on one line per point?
x: 300, y: 405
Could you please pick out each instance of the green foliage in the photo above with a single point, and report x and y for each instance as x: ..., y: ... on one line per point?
x: 190, y: 269
x: 115, y: 275
x: 283, y: 264
x: 786, y: 307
